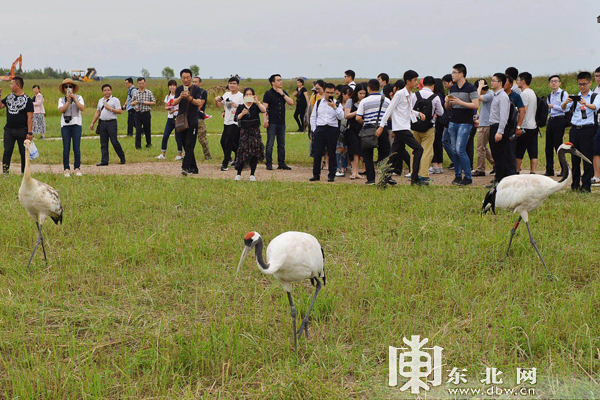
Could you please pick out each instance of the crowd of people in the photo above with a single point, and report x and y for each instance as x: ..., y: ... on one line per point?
x: 345, y: 123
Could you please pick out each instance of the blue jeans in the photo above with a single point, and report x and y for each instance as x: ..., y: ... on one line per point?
x: 68, y: 133
x: 170, y: 127
x: 447, y: 143
x: 459, y: 136
x: 279, y: 132
x: 342, y: 158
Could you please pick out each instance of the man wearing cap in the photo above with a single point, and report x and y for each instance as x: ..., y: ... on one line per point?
x: 71, y: 106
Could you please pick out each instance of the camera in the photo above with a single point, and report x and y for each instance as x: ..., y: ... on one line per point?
x: 67, y: 119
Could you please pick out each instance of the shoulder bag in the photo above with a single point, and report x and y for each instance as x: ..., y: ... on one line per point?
x: 181, y: 120
x: 368, y: 138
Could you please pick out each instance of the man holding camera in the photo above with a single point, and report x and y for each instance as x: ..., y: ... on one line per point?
x: 143, y: 99
x: 275, y: 100
x: 188, y: 97
x: 19, y: 122
x: 325, y: 117
x: 583, y: 128
x: 202, y: 138
x: 230, y: 138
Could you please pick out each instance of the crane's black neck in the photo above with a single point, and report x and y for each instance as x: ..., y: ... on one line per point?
x: 564, y: 165
x: 258, y: 250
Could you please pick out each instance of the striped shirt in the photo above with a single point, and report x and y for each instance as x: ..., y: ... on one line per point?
x: 368, y: 107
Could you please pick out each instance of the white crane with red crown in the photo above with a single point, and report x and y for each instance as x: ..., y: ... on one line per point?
x: 291, y: 257
x: 523, y: 194
x: 40, y: 201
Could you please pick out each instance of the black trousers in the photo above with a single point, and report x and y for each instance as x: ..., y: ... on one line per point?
x: 130, y: 122
x: 325, y: 137
x: 583, y: 140
x: 405, y: 137
x: 143, y: 121
x: 555, y: 130
x: 188, y: 139
x: 108, y: 131
x: 12, y: 136
x: 438, y: 147
x: 471, y: 146
x: 299, y: 117
x: 383, y: 150
x: 230, y: 140
x: 500, y: 153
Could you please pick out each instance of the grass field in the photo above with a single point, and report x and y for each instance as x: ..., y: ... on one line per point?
x: 140, y: 298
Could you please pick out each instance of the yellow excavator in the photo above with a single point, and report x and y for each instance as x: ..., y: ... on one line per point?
x: 90, y: 75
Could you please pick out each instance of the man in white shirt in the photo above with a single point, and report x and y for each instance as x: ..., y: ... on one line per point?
x: 555, y: 130
x: 349, y: 79
x: 108, y: 109
x: 402, y: 114
x: 424, y: 130
x: 230, y: 138
x: 325, y: 117
x: 528, y: 140
x: 596, y: 160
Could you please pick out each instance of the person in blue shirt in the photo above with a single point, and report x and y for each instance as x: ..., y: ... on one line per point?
x: 131, y: 89
x: 583, y: 129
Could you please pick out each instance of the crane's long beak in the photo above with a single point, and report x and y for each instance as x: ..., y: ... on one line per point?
x: 578, y: 154
x: 244, y: 254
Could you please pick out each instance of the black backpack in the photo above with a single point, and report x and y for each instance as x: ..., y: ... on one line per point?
x: 541, y: 115
x: 513, y: 119
x: 568, y: 111
x: 426, y: 107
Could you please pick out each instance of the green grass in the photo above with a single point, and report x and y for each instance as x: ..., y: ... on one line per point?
x: 141, y: 300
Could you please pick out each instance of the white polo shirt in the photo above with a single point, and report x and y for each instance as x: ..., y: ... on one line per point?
x: 106, y: 115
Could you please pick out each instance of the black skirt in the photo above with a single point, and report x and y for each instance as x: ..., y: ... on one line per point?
x: 353, y: 142
x: 251, y: 145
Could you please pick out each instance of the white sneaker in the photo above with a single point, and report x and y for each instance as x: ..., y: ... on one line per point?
x: 339, y: 173
x: 431, y: 170
x: 408, y: 175
x: 78, y: 173
x: 252, y: 178
x: 238, y: 177
x: 595, y: 181
x: 67, y: 173
x: 160, y: 157
x: 178, y: 158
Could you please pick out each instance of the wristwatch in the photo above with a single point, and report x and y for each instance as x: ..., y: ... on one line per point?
x: 518, y: 127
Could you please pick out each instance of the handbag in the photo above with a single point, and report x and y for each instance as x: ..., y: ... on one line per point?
x: 368, y: 138
x: 181, y: 120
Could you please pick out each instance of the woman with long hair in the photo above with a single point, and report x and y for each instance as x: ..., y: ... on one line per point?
x: 39, y: 119
x: 438, y: 148
x: 353, y: 128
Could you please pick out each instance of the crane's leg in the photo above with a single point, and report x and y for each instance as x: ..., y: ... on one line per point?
x: 512, y: 234
x: 304, y: 325
x: 293, y: 309
x: 534, y: 244
x: 42, y: 240
x: 34, y: 249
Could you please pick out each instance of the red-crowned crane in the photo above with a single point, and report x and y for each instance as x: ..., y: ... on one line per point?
x: 525, y: 193
x: 291, y: 257
x: 40, y: 201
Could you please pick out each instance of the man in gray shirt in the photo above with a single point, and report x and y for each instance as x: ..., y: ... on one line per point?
x: 483, y: 130
x: 498, y: 119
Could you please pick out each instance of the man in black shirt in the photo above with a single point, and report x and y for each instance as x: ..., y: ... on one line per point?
x: 301, y: 103
x: 188, y: 97
x: 19, y: 122
x: 275, y: 100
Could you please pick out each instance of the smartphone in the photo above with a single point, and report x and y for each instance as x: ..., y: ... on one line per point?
x: 69, y: 91
x: 248, y: 99
x: 451, y: 97
x: 185, y: 88
x: 576, y: 98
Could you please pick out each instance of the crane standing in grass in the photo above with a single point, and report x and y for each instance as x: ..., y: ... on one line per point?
x: 291, y: 257
x: 39, y: 200
x: 526, y: 193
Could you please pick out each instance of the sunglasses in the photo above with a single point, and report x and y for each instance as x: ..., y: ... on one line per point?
x: 68, y: 86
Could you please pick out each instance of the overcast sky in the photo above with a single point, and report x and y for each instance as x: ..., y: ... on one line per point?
x: 313, y: 38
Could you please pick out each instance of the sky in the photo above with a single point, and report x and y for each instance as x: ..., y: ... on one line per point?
x: 312, y: 38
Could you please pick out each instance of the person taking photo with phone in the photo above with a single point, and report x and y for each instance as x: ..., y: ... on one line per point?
x: 251, y: 147
x: 70, y: 107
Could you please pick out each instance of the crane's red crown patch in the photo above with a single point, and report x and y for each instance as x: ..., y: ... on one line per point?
x: 249, y: 236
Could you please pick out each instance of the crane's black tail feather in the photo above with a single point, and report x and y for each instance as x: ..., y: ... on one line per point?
x: 323, y: 253
x: 489, y: 202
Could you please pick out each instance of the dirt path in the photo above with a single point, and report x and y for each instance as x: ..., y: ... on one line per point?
x: 212, y: 170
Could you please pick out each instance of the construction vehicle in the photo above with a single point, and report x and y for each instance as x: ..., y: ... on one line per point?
x: 90, y: 75
x: 12, y: 69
